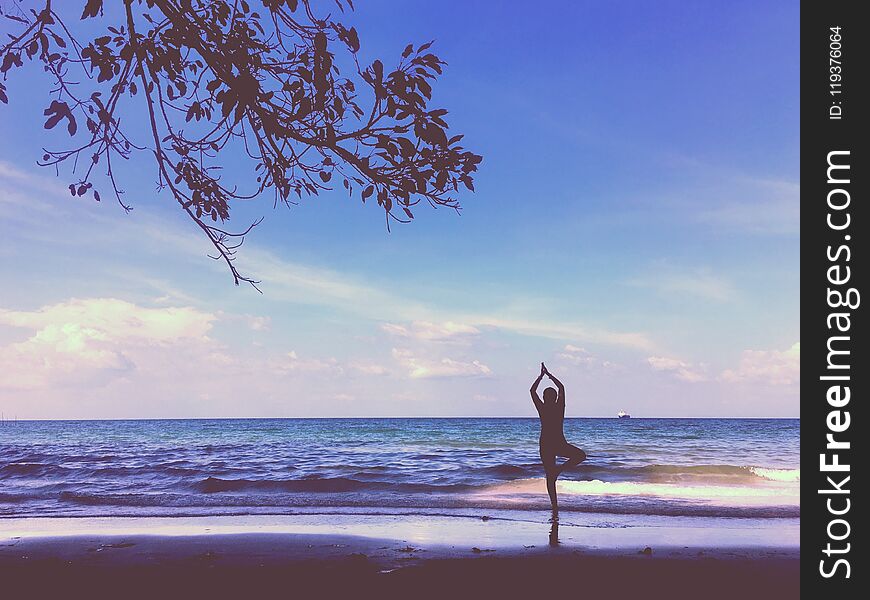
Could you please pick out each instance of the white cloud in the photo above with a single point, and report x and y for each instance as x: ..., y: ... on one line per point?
x: 578, y: 356
x: 259, y: 323
x: 292, y: 362
x: 447, y: 331
x: 771, y: 367
x: 110, y: 318
x: 426, y: 368
x: 484, y: 398
x: 564, y: 331
x: 18, y: 178
x: 367, y: 367
x: 680, y: 369
x: 322, y: 287
x: 90, y: 340
x: 672, y: 282
x: 765, y: 207
x: 739, y: 201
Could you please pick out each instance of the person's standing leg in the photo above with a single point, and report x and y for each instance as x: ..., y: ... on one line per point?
x: 552, y: 472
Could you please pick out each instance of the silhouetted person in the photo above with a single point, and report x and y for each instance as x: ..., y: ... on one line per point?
x: 553, y: 442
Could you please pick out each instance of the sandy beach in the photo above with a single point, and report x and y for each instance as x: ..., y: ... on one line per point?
x: 388, y: 555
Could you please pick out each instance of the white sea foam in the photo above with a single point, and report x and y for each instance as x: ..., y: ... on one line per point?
x: 789, y: 475
x: 765, y: 494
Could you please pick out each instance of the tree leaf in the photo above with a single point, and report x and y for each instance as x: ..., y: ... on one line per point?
x: 57, y: 111
x: 92, y: 9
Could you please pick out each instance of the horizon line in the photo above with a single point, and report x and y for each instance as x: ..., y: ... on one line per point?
x: 535, y: 417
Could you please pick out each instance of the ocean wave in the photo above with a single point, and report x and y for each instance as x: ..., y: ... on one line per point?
x: 133, y: 504
x: 734, y: 494
x: 723, y: 472
x: 790, y: 475
x: 31, y: 469
x: 110, y: 499
x: 657, y: 473
x: 389, y: 476
x: 213, y: 485
x: 37, y: 471
x: 144, y: 470
x: 508, y: 470
x: 7, y: 498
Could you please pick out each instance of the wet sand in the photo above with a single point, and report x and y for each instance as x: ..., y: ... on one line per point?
x: 444, y: 557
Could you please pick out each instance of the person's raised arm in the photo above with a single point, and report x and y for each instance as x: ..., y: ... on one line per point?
x: 534, y: 390
x: 559, y: 386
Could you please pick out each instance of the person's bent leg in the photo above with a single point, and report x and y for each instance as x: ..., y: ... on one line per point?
x: 574, y: 455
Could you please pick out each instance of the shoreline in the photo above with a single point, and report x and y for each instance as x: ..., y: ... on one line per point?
x: 498, y: 529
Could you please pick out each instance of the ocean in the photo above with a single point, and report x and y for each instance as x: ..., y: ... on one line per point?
x: 644, y: 467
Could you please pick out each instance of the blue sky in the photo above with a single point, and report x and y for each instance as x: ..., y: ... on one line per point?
x: 635, y: 225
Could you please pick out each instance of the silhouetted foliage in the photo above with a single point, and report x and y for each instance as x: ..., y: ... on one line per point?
x: 210, y: 75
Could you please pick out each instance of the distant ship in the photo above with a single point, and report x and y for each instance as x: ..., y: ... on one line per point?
x: 623, y: 415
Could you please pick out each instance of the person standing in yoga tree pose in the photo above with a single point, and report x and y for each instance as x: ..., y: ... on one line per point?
x: 553, y: 443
